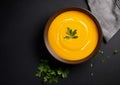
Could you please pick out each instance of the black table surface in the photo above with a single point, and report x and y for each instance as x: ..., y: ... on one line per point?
x: 21, y: 46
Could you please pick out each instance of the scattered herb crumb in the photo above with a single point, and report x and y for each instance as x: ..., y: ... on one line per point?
x: 91, y: 73
x: 103, y: 60
x: 91, y: 65
x: 48, y: 74
x: 101, y: 51
x: 115, y: 52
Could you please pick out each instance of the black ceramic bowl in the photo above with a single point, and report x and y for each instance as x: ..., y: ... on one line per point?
x: 51, y: 50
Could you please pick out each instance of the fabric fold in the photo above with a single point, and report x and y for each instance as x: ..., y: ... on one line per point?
x: 108, y: 15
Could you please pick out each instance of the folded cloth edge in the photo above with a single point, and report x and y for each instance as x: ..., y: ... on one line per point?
x: 108, y: 34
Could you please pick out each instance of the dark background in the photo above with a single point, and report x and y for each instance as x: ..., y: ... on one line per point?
x: 21, y: 46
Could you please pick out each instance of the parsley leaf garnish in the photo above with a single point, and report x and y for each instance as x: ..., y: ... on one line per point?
x: 71, y: 34
x: 48, y: 74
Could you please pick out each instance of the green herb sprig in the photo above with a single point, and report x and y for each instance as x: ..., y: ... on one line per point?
x: 115, y: 52
x: 101, y: 51
x: 71, y: 34
x: 48, y: 74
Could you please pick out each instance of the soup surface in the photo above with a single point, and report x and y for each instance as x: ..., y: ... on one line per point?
x: 73, y: 35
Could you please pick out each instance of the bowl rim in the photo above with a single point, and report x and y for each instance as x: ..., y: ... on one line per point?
x: 45, y: 36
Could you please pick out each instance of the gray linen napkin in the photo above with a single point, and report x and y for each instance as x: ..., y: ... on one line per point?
x: 108, y: 15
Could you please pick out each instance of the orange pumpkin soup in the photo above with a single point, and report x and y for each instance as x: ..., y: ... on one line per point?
x: 74, y: 46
